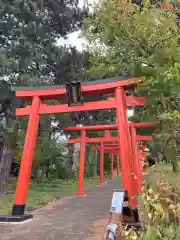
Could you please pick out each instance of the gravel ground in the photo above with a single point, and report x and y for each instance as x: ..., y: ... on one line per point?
x: 69, y: 219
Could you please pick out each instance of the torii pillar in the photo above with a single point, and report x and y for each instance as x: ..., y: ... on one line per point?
x: 123, y: 139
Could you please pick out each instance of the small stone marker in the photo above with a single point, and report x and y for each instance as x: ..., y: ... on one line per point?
x: 120, y: 214
x: 116, y: 212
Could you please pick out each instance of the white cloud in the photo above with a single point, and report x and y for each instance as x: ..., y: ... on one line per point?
x: 73, y: 40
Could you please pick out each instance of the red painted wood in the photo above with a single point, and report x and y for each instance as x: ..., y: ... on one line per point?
x: 107, y: 127
x: 91, y: 128
x: 89, y: 90
x: 136, y: 163
x: 93, y: 140
x: 120, y: 103
x: 106, y: 139
x: 144, y: 138
x: 28, y: 153
x: 121, y: 116
x: 80, y: 191
x: 23, y: 111
x: 88, y: 106
x: 142, y: 125
x: 107, y: 133
x: 97, y: 148
x: 107, y: 150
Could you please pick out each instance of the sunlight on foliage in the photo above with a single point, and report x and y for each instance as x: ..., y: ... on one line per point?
x: 160, y: 212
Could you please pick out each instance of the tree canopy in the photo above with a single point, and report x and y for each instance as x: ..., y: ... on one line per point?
x: 126, y: 39
x: 29, y: 33
x: 30, y: 55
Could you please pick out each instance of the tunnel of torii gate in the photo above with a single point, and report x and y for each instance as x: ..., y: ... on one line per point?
x: 113, y: 151
x: 115, y: 86
x: 133, y: 164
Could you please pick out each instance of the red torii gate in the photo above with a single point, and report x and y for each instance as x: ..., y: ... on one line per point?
x: 106, y: 129
x: 37, y: 95
x: 134, y: 164
x: 113, y: 149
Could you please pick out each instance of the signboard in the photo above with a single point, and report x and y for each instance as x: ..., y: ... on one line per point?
x: 74, y: 94
x: 117, y: 202
x: 111, y: 231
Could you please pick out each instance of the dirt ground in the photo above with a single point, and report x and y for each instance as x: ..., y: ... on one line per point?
x: 98, y: 229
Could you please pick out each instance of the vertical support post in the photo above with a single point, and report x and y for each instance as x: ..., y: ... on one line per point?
x: 101, y: 163
x: 80, y: 191
x: 121, y: 116
x: 27, y: 158
x: 136, y: 162
x: 117, y: 164
x: 112, y: 165
x: 107, y: 133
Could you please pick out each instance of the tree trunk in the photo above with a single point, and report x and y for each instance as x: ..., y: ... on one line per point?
x: 94, y: 163
x: 164, y: 158
x: 69, y: 162
x: 5, y: 161
x: 175, y: 166
x: 39, y: 174
x: 76, y: 155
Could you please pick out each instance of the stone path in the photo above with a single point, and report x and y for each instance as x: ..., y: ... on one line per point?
x: 69, y: 219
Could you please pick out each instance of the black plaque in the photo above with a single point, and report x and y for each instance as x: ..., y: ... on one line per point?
x: 74, y: 94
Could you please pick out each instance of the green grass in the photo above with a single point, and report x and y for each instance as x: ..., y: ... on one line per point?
x: 41, y: 194
x: 164, y: 167
x: 163, y: 171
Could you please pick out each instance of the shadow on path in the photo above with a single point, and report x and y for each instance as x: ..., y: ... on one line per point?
x: 68, y: 219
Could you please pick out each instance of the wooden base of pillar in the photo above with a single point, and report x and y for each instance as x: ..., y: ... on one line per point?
x: 81, y: 194
x: 15, y: 219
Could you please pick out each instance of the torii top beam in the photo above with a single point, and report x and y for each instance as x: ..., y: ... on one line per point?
x: 107, y: 150
x: 106, y: 127
x: 91, y: 88
x: 106, y: 139
x: 97, y: 148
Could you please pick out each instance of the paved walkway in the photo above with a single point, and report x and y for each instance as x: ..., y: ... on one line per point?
x: 68, y: 219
